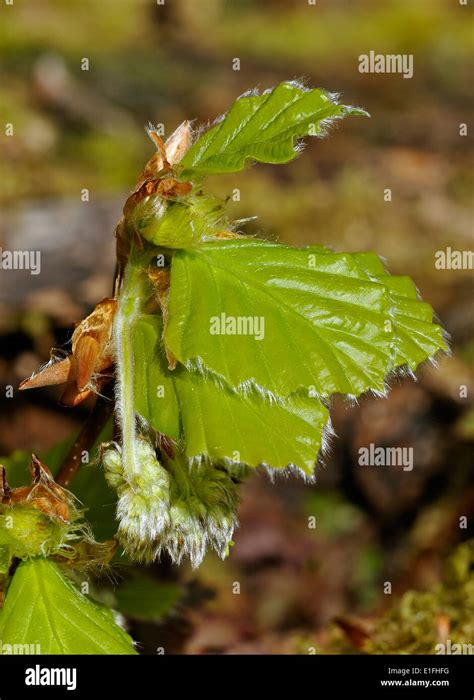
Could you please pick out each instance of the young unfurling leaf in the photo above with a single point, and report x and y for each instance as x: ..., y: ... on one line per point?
x: 264, y: 128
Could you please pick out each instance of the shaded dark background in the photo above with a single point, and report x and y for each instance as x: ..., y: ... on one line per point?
x: 76, y: 129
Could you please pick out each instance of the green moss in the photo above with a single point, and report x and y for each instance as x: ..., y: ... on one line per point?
x: 414, y: 624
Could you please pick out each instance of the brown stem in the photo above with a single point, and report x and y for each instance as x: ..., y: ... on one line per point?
x: 86, y: 438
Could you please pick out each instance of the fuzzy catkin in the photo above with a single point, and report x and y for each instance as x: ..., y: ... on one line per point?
x: 182, y: 509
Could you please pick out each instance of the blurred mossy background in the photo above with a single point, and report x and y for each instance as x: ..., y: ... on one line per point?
x: 77, y: 129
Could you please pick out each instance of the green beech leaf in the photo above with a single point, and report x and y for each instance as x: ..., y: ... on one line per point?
x: 44, y: 608
x: 264, y: 128
x: 290, y: 319
x: 217, y: 421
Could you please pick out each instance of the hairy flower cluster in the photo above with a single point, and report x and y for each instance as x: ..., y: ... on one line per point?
x: 182, y: 509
